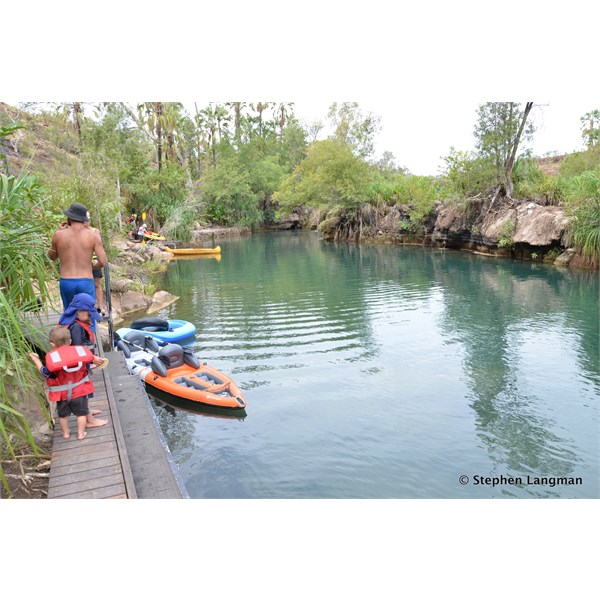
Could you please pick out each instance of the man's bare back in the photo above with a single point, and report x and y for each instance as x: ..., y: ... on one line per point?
x: 74, y: 247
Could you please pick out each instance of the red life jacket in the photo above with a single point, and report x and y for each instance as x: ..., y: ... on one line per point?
x: 70, y: 365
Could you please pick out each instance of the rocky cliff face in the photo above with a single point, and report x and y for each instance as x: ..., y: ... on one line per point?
x: 490, y: 225
x: 501, y: 226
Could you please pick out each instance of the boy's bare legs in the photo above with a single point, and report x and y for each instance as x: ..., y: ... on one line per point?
x: 64, y: 425
x: 91, y: 421
x: 81, y: 423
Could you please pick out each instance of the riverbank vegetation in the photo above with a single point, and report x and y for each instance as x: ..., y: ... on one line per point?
x: 245, y: 165
x: 253, y: 164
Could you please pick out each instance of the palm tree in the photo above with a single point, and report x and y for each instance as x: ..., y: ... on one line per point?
x: 171, y: 121
x: 237, y: 111
x: 222, y: 118
x: 77, y: 116
x: 260, y: 107
x: 208, y: 122
x: 151, y: 116
x: 284, y: 111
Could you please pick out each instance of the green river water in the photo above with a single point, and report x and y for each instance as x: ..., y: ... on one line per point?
x: 388, y: 372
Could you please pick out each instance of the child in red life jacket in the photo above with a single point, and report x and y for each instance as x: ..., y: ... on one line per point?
x: 68, y: 380
x: 80, y: 317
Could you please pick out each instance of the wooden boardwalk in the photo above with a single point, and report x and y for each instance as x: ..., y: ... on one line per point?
x: 99, y: 466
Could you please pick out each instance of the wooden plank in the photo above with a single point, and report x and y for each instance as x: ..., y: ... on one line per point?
x: 73, y: 459
x: 95, y: 494
x: 82, y: 450
x: 120, y: 439
x: 82, y: 476
x: 92, y: 433
x: 78, y: 467
x: 69, y: 446
x: 87, y: 485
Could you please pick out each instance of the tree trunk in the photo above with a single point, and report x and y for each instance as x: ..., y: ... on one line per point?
x: 238, y: 126
x: 159, y: 112
x: 198, y: 146
x: 77, y: 114
x: 118, y: 199
x: 513, y: 151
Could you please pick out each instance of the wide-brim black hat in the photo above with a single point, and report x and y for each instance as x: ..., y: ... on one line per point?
x: 77, y: 212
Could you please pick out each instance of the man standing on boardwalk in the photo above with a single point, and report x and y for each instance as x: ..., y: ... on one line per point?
x: 74, y: 247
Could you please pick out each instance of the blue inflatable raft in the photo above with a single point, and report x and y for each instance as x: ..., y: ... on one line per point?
x: 172, y: 330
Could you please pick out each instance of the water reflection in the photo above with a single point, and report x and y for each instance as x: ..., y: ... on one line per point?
x: 487, y: 308
x: 374, y: 371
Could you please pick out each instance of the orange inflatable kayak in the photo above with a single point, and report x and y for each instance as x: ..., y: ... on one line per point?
x: 176, y: 371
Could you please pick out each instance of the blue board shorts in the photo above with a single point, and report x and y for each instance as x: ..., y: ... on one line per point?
x: 70, y: 287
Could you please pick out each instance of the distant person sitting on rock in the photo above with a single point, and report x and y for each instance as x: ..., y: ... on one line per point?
x: 141, y: 231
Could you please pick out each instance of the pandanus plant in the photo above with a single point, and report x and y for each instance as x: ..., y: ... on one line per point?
x: 24, y: 276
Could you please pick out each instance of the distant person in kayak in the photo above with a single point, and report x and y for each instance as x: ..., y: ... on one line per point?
x: 80, y: 319
x: 68, y: 380
x: 74, y: 247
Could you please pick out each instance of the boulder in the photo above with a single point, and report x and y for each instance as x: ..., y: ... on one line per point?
x: 565, y: 258
x: 130, y: 302
x: 482, y: 221
x: 120, y: 286
x: 160, y: 300
x: 540, y: 225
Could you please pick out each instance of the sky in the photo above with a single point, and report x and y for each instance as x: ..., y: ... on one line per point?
x: 420, y: 133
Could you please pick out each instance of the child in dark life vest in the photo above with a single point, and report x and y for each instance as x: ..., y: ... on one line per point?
x: 68, y: 380
x: 80, y: 318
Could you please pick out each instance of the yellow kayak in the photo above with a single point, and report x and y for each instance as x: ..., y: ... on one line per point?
x: 191, y: 251
x: 180, y: 257
x: 150, y: 235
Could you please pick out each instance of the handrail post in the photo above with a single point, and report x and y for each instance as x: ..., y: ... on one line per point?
x: 108, y: 303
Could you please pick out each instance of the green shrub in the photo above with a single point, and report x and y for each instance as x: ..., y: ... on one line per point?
x: 580, y: 162
x: 582, y: 200
x: 24, y: 275
x: 506, y: 234
x: 468, y: 174
x: 228, y: 197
